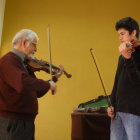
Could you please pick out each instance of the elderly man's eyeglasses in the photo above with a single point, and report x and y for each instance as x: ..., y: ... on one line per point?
x: 34, y: 44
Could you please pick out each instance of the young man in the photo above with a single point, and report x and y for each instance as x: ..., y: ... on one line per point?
x: 19, y: 89
x: 125, y: 97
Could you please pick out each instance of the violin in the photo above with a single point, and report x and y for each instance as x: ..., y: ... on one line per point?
x: 38, y: 65
x: 134, y: 44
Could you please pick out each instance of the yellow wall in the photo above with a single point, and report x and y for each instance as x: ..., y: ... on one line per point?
x: 76, y: 26
x: 2, y: 8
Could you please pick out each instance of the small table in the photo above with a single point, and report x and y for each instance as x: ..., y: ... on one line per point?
x: 90, y: 126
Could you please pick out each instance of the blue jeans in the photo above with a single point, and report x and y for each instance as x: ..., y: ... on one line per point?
x: 125, y: 126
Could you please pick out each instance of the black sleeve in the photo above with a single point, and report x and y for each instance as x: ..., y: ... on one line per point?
x: 114, y: 90
x: 133, y: 68
x: 113, y: 93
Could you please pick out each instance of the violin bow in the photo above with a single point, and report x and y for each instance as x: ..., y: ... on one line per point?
x: 107, y: 97
x: 50, y: 57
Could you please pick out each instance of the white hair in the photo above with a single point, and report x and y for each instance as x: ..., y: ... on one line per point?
x: 24, y: 34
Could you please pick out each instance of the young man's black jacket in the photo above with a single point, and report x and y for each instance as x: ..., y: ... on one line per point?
x: 125, y: 96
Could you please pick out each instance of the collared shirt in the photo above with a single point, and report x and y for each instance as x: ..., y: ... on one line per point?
x: 21, y: 56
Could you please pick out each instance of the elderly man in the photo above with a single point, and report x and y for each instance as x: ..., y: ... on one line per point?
x: 19, y: 89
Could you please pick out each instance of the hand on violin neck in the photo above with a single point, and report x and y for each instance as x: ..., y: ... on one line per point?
x: 126, y: 49
x: 60, y: 72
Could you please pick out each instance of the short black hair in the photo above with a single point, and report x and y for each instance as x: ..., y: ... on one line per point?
x: 129, y: 24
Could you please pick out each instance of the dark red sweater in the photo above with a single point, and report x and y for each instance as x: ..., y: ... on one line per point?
x: 18, y: 89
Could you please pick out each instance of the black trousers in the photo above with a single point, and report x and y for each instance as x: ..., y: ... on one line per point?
x: 13, y: 129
